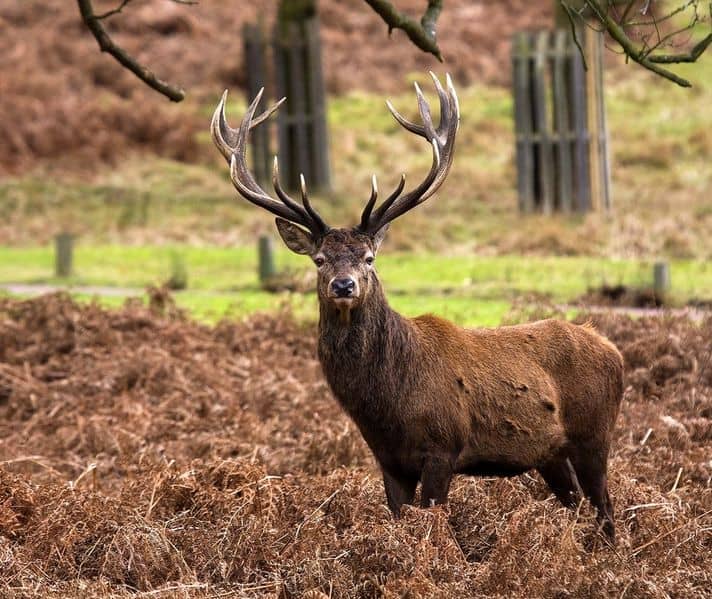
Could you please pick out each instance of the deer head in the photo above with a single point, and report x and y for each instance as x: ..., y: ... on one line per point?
x: 344, y: 257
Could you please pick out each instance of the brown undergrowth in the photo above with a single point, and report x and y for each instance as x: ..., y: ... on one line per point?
x: 141, y: 452
x: 67, y: 107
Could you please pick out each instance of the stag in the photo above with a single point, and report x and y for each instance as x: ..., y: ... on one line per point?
x: 431, y: 399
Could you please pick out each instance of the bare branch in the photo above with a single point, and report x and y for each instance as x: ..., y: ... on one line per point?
x: 642, y: 55
x: 113, y: 11
x: 106, y: 44
x: 422, y: 34
x: 690, y: 56
x: 570, y: 14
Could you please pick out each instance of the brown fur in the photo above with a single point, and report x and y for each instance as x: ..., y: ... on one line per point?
x: 433, y: 400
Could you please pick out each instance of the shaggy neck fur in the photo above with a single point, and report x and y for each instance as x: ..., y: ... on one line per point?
x: 366, y: 358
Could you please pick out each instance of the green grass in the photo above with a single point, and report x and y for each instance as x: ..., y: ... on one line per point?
x: 465, y: 254
x: 472, y: 290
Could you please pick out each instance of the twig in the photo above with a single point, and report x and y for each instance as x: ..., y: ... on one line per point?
x: 321, y: 505
x: 690, y: 56
x: 106, y: 44
x: 645, y: 438
x: 422, y: 34
x: 667, y: 17
x: 113, y: 11
x: 640, y: 506
x: 569, y: 14
x: 90, y: 468
x: 618, y: 34
x: 677, y: 480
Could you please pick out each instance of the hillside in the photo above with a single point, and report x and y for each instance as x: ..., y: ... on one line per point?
x: 65, y: 104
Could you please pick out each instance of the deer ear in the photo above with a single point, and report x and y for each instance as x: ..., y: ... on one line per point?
x: 297, y: 239
x: 379, y: 236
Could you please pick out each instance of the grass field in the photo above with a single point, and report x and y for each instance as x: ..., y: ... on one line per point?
x: 473, y: 290
x: 465, y: 254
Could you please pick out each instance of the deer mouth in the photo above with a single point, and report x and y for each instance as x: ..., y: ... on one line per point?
x: 344, y: 302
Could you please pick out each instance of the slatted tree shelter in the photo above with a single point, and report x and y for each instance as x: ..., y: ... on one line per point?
x: 255, y: 45
x: 562, y: 152
x: 301, y: 121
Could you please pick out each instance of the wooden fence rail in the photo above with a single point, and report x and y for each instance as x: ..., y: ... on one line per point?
x: 562, y: 155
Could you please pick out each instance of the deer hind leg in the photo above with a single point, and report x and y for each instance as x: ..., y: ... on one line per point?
x: 435, y: 478
x: 399, y: 490
x: 591, y: 469
x: 561, y: 478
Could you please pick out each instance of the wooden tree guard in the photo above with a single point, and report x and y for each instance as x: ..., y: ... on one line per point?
x: 562, y: 150
x: 303, y: 141
x: 255, y: 44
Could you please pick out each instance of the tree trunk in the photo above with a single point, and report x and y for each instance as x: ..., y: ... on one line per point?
x: 295, y: 10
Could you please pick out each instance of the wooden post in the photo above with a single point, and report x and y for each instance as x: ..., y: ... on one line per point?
x: 255, y: 51
x: 265, y: 253
x: 302, y: 132
x: 661, y: 279
x: 523, y: 119
x: 562, y: 123
x: 63, y: 247
x: 544, y: 152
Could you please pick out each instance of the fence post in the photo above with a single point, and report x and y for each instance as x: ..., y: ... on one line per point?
x: 265, y: 254
x: 661, y: 279
x: 63, y: 254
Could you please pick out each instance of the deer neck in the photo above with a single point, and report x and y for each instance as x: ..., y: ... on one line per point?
x: 365, y: 357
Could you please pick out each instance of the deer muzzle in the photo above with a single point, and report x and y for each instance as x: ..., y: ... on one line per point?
x: 343, y: 290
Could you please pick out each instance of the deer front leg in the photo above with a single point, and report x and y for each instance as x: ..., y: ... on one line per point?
x: 435, y: 477
x: 400, y: 489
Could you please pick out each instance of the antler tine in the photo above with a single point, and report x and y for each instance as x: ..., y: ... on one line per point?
x: 262, y: 199
x: 442, y: 140
x: 404, y: 122
x: 424, y: 109
x: 392, y: 198
x: 445, y: 109
x: 232, y: 144
x: 289, y: 202
x: 308, y: 207
x: 219, y: 130
x: 417, y: 195
x: 224, y: 136
x: 267, y: 113
x: 366, y: 214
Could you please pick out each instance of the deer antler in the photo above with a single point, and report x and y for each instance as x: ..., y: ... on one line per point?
x: 442, y: 140
x: 232, y: 144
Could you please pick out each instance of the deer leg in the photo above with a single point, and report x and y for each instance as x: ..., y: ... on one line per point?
x: 591, y: 470
x: 435, y: 477
x: 559, y: 475
x: 399, y: 490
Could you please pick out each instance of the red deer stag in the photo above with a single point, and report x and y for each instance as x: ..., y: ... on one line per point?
x: 432, y: 399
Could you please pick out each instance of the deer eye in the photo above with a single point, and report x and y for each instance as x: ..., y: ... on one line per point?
x: 369, y: 260
x: 319, y: 261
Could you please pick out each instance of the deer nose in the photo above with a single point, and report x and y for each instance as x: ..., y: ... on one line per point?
x: 343, y: 287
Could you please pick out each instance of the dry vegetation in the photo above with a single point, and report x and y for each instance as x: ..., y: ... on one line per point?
x: 142, y: 452
x: 67, y: 105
